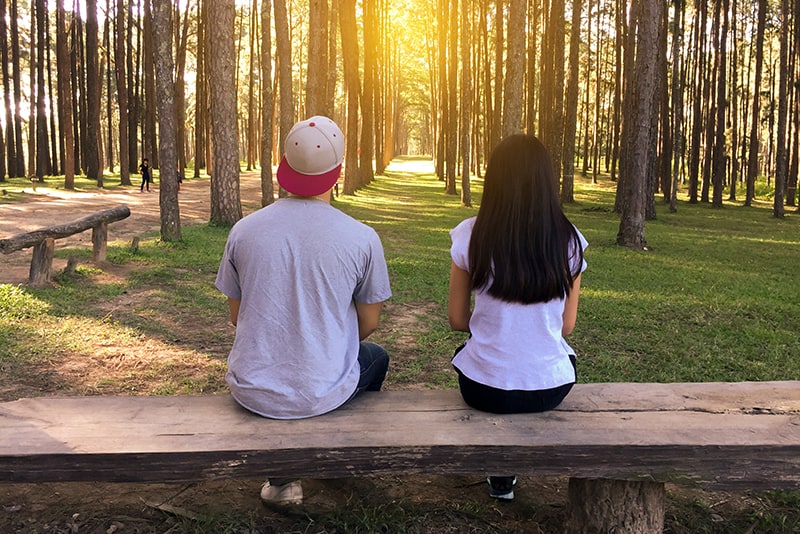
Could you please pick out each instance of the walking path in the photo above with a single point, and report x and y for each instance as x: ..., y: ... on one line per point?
x: 49, y: 207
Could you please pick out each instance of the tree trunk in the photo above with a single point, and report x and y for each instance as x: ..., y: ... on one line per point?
x: 316, y: 75
x: 283, y: 48
x: 19, y: 163
x: 93, y: 93
x: 201, y: 96
x: 133, y: 94
x: 226, y: 207
x: 167, y: 128
x: 719, y: 169
x: 641, y: 105
x: 182, y: 31
x: 451, y: 131
x: 122, y: 95
x: 599, y: 505
x: 65, y: 95
x: 43, y: 165
x: 347, y: 22
x: 515, y: 68
x: 149, y: 146
x: 781, y: 153
x: 8, y: 155
x: 367, y: 144
x: 267, y: 103
x: 466, y: 100
x: 571, y: 106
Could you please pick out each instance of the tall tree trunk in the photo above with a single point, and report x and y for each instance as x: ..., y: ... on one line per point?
x: 122, y: 94
x: 167, y: 128
x: 451, y: 132
x: 65, y: 95
x: 677, y: 101
x: 466, y: 100
x: 513, y: 87
x: 642, y: 107
x: 133, y: 79
x: 571, y: 105
x: 267, y: 105
x: 43, y: 165
x: 149, y: 142
x: 252, y: 114
x: 93, y: 93
x: 19, y: 164
x: 9, y: 155
x: 496, y: 132
x: 781, y: 153
x: 283, y: 48
x: 752, y: 157
x: 106, y: 67
x: 200, y: 119
x: 347, y: 22
x: 718, y: 172
x: 226, y: 207
x: 701, y: 88
x: 367, y: 143
x: 316, y: 73
x: 182, y: 30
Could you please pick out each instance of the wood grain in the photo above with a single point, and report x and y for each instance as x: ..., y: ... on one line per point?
x: 721, y: 435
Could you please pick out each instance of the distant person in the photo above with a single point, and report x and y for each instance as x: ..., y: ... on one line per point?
x: 144, y: 169
x: 305, y: 285
x: 521, y: 259
x: 179, y: 176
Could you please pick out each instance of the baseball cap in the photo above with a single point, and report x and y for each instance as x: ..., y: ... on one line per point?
x: 312, y: 159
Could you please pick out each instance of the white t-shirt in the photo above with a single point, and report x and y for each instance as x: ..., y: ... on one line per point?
x: 298, y: 266
x: 513, y: 346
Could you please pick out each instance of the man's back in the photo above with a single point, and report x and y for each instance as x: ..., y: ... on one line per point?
x: 298, y: 266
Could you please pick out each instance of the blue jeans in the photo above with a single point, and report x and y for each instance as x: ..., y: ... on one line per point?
x: 374, y: 362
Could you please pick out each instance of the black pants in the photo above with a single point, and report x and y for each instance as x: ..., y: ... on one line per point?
x: 493, y: 400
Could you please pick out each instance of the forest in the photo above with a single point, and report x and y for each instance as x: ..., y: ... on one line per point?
x: 669, y: 99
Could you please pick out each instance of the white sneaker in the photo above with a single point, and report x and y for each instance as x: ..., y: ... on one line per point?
x: 288, y: 493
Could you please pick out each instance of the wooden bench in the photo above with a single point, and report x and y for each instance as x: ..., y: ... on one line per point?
x: 43, y: 241
x: 618, y: 442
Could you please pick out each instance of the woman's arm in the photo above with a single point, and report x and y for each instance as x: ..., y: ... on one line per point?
x: 570, y: 315
x: 458, y: 305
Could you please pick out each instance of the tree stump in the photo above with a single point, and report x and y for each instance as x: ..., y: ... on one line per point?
x: 42, y: 262
x: 615, y: 506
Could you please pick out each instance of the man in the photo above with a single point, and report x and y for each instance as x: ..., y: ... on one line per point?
x: 305, y: 285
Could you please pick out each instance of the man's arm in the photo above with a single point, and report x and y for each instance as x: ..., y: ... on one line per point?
x: 368, y: 317
x: 233, y: 306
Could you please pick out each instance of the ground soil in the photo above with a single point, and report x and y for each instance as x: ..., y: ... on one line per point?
x: 406, y: 503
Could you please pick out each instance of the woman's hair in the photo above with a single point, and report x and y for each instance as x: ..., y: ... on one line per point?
x: 521, y: 242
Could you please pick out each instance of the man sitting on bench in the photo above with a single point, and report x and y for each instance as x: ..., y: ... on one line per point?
x: 305, y: 284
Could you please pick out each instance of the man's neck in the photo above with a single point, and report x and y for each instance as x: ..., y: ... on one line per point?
x: 324, y: 197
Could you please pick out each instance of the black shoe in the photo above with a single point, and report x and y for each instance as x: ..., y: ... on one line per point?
x: 502, y: 487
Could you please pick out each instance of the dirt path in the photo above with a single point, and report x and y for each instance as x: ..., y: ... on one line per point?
x: 49, y: 207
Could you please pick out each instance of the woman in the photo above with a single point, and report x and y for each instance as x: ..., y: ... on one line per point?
x: 521, y: 259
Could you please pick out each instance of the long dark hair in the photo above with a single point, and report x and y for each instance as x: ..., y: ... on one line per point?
x: 522, y: 241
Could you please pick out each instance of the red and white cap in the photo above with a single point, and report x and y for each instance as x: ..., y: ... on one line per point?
x: 312, y: 159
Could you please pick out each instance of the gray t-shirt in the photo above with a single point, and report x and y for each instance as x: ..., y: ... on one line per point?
x: 298, y: 266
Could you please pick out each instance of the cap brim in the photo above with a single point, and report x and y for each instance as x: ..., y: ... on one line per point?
x: 306, y: 185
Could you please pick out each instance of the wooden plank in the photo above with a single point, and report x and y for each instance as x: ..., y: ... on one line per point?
x: 29, y: 239
x: 719, y: 435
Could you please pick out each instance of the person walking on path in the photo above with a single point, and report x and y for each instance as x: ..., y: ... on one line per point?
x: 305, y: 285
x: 521, y: 259
x: 144, y: 168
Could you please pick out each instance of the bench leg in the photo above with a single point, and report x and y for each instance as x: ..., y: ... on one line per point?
x: 599, y: 505
x: 99, y: 242
x: 42, y: 262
